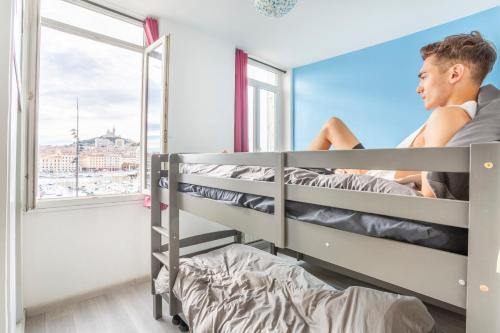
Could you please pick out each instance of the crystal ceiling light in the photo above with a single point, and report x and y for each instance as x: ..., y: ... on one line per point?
x: 274, y: 8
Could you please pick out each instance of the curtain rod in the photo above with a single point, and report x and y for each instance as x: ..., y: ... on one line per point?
x: 113, y: 11
x: 263, y: 63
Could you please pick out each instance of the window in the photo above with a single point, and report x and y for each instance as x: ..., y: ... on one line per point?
x: 89, y: 132
x: 264, y: 84
x: 155, y: 141
x: 92, y: 21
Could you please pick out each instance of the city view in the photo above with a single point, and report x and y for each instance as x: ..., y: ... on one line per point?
x: 108, y: 164
x: 89, y: 114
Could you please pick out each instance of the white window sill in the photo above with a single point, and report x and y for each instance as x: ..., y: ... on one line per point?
x: 87, y: 202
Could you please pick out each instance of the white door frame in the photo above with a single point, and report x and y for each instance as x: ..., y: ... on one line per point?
x: 7, y: 193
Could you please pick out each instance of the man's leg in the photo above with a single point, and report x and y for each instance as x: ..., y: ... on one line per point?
x: 336, y: 134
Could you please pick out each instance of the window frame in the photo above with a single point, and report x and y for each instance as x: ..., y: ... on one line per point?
x: 33, y: 26
x: 277, y: 89
x: 163, y: 41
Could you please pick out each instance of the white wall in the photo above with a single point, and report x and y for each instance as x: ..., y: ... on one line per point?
x: 202, y: 94
x: 286, y: 119
x: 73, y: 251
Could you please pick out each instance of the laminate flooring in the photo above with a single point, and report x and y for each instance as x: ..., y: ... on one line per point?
x: 129, y: 310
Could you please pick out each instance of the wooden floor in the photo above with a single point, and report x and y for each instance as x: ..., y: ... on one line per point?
x: 125, y: 311
x: 129, y: 310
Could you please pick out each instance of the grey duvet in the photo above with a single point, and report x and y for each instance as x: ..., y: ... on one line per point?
x: 414, y: 232
x: 241, y: 289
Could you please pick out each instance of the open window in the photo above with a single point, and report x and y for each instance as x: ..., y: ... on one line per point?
x: 100, y: 104
x: 155, y: 103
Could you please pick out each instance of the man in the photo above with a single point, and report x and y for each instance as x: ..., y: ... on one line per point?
x: 449, y: 83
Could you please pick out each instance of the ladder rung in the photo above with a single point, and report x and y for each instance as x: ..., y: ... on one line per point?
x: 161, y: 230
x: 161, y: 257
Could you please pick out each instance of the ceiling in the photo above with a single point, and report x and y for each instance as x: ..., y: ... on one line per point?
x: 314, y: 30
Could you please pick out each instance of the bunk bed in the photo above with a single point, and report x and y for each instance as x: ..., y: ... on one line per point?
x: 465, y: 280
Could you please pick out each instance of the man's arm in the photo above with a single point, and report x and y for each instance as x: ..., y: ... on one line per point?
x: 440, y: 128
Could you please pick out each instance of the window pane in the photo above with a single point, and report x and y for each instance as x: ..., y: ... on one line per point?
x: 262, y: 75
x: 155, y: 108
x: 267, y: 111
x: 251, y: 120
x: 106, y: 80
x: 90, y: 20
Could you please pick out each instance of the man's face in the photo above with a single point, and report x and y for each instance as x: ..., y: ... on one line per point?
x: 434, y: 86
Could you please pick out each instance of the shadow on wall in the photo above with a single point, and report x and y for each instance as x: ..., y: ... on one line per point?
x: 373, y: 89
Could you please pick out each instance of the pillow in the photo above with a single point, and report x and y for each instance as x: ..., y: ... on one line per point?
x: 487, y: 94
x: 485, y: 127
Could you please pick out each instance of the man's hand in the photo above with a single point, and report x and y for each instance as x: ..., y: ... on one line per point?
x: 350, y: 171
x: 415, y: 178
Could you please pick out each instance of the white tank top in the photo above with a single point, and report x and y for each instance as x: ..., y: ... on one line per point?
x: 470, y: 107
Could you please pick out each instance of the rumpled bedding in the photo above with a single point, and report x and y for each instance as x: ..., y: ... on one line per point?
x: 300, y: 176
x: 435, y: 236
x: 241, y: 289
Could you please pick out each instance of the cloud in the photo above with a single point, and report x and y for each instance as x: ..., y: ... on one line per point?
x: 106, y: 79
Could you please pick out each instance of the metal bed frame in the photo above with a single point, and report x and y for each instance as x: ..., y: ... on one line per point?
x: 468, y: 283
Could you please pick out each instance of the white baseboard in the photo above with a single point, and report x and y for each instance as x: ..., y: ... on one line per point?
x: 64, y: 302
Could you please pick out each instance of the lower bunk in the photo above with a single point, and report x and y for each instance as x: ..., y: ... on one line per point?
x: 238, y: 288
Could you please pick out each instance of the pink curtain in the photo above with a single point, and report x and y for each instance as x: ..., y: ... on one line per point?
x: 147, y: 203
x: 241, y: 103
x: 151, y: 30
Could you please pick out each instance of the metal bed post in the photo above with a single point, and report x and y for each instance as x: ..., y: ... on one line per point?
x: 279, y: 201
x: 173, y: 231
x: 238, y: 237
x: 483, y: 265
x: 155, y: 237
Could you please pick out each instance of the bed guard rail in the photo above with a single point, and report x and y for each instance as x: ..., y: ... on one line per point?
x: 440, y: 211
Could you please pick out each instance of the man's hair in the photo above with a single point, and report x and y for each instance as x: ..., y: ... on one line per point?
x: 471, y: 49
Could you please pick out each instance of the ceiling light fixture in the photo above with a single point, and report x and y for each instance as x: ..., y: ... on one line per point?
x: 274, y: 8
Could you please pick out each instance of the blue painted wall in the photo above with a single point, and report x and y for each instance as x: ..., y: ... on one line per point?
x: 373, y: 89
